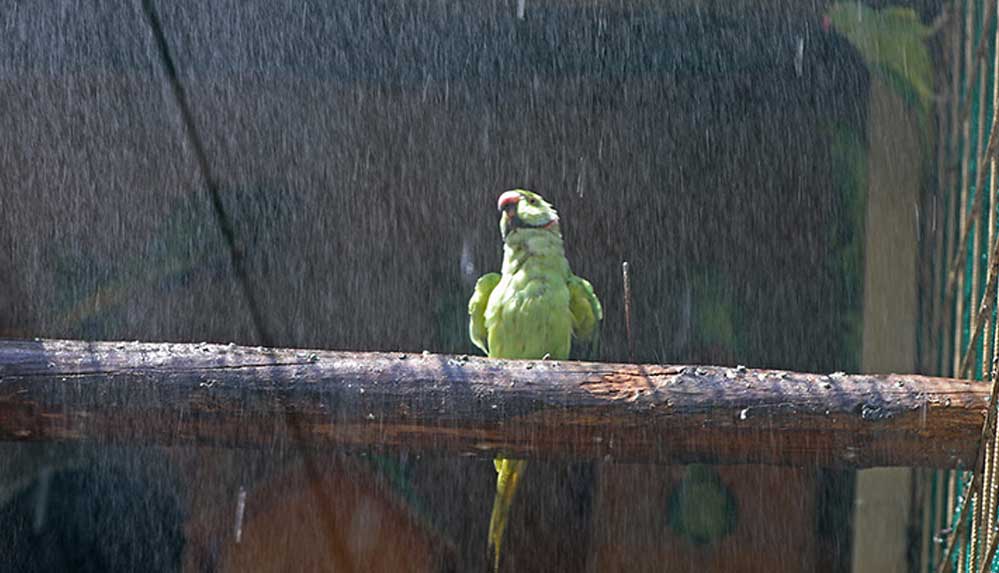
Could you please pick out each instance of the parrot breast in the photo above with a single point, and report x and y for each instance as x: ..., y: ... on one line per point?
x: 528, y: 313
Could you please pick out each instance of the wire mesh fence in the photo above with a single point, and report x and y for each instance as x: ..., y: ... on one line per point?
x: 959, y: 336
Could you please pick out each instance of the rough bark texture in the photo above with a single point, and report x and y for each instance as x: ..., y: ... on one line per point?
x: 128, y: 392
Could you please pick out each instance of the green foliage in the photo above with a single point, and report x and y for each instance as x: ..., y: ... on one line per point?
x: 716, y: 320
x: 185, y: 247
x: 892, y: 42
x: 848, y: 149
x: 700, y: 508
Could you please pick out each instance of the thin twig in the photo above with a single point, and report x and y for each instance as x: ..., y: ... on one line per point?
x: 627, y: 311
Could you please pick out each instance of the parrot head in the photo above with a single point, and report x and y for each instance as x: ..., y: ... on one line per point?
x: 526, y: 210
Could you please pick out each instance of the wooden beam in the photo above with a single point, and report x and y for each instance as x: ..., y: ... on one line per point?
x: 175, y: 394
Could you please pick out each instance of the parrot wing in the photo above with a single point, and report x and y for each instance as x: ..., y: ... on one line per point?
x: 477, y: 310
x: 586, y: 314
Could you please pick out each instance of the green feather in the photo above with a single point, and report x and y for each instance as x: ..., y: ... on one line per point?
x: 477, y: 309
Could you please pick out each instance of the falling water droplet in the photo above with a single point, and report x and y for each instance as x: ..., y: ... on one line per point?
x: 467, y: 262
x: 240, y: 510
x: 799, y: 56
x: 42, y: 499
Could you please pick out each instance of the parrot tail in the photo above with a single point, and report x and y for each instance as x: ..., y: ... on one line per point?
x: 508, y: 474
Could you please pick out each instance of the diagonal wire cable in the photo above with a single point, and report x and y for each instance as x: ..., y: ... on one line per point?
x: 988, y: 436
x: 960, y: 515
x: 976, y: 210
x: 339, y: 555
x: 988, y: 433
x: 988, y: 494
x: 965, y: 111
x: 984, y: 309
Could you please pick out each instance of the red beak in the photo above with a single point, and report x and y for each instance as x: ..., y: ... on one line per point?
x: 508, y: 201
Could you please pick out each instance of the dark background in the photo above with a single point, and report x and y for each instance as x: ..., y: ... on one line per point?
x: 359, y: 148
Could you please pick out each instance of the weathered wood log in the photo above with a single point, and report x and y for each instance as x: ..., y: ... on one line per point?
x: 174, y: 394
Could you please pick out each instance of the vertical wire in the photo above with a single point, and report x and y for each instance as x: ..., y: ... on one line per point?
x: 977, y: 159
x: 991, y: 449
x: 959, y: 488
x: 939, y: 261
x: 987, y: 343
x: 926, y: 524
x: 942, y: 308
x: 952, y: 476
x: 937, y: 310
x: 978, y: 233
x: 983, y: 522
x: 964, y: 151
x: 953, y: 194
x: 952, y: 350
x: 940, y: 522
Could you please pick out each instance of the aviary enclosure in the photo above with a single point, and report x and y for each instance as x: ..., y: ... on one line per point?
x: 238, y: 240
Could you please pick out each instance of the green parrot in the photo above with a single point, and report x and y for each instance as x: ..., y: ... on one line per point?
x: 533, y: 309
